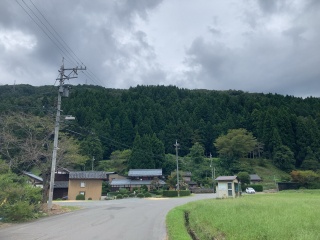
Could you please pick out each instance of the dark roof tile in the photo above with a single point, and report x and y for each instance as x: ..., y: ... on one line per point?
x: 88, y: 175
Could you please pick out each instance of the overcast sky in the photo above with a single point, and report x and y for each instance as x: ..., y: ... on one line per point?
x: 250, y: 45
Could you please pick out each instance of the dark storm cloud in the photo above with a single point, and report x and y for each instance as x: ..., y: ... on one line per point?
x: 256, y: 46
x: 93, y: 30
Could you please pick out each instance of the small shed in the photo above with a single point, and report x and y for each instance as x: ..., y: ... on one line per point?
x: 254, y: 178
x: 228, y: 186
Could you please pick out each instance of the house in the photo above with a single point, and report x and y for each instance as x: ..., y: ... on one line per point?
x: 186, y: 177
x: 70, y: 184
x: 87, y: 183
x: 33, y: 179
x: 254, y: 179
x: 228, y: 186
x: 61, y: 183
x: 138, y: 178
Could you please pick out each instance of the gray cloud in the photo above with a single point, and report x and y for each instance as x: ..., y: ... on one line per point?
x: 256, y: 46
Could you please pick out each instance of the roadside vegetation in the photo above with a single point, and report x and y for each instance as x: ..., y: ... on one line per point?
x: 19, y: 201
x: 284, y: 215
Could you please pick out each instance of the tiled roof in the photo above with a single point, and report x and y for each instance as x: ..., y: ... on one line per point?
x: 254, y: 177
x: 186, y: 174
x: 61, y: 184
x: 144, y: 172
x: 117, y: 182
x: 33, y: 176
x: 88, y: 175
x: 226, y: 178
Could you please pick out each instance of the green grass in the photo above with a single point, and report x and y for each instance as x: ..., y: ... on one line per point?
x: 269, y: 173
x: 284, y: 215
x: 176, y: 226
x: 71, y: 208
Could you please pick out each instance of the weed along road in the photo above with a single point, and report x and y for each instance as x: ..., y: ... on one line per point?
x: 125, y: 219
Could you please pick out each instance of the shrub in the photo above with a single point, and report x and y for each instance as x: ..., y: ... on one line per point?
x: 123, y: 190
x: 132, y: 195
x: 244, y: 177
x: 307, y: 179
x: 80, y: 197
x: 185, y: 193
x: 89, y: 198
x: 19, y: 201
x: 112, y: 194
x: 125, y: 195
x: 144, y: 188
x: 17, y: 212
x: 256, y: 187
x: 170, y: 193
x: 147, y: 195
x: 119, y: 196
x: 140, y: 195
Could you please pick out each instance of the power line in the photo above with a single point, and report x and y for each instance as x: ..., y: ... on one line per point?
x: 113, y: 142
x: 56, y: 39
x: 39, y: 26
x: 57, y: 33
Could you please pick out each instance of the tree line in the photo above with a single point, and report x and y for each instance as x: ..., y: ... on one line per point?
x: 116, y: 119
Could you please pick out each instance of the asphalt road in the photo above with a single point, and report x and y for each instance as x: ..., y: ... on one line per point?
x: 126, y: 219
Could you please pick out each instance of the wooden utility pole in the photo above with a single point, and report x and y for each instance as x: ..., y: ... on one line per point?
x: 62, y: 91
x: 178, y: 187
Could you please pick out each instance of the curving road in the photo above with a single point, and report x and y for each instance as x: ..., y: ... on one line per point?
x: 127, y: 219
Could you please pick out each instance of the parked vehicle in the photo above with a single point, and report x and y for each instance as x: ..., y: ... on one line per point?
x: 250, y: 190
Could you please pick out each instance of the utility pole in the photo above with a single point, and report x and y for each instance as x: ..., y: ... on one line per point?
x: 178, y: 187
x: 211, y: 166
x: 92, y: 162
x: 62, y: 91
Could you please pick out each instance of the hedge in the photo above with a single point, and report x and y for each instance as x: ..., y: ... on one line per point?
x: 147, y: 195
x: 171, y: 193
x: 140, y: 195
x: 119, y: 196
x: 256, y: 187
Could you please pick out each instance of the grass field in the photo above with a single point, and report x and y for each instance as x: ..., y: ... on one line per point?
x: 283, y: 215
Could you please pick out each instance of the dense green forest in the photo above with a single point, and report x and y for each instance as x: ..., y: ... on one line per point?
x: 156, y: 116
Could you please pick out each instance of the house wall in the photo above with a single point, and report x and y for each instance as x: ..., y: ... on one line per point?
x: 92, y: 189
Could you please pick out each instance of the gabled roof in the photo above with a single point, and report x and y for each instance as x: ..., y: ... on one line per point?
x: 117, y: 182
x: 226, y: 178
x: 88, y: 175
x: 254, y: 177
x: 31, y: 175
x: 145, y: 172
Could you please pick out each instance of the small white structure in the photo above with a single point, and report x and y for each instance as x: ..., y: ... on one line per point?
x: 228, y: 186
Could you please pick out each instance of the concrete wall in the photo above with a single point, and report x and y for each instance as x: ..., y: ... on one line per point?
x: 92, y: 188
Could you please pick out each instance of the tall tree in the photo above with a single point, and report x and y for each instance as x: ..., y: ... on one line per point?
x: 284, y: 159
x: 197, y: 153
x: 236, y: 143
x: 28, y: 143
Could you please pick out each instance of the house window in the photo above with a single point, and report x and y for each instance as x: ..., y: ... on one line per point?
x: 82, y: 184
x: 230, y: 189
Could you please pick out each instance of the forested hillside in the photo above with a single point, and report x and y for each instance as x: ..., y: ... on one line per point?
x: 110, y: 119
